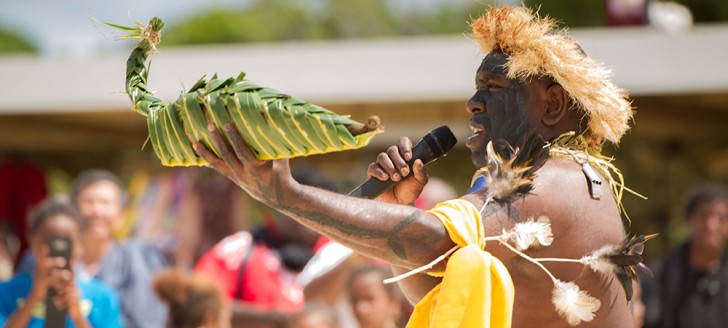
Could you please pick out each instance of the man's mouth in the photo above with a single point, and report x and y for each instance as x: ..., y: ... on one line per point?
x: 478, y: 130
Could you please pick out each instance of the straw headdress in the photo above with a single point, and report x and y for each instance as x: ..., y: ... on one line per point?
x: 535, y: 47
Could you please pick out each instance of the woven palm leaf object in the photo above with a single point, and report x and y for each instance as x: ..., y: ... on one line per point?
x: 274, y: 125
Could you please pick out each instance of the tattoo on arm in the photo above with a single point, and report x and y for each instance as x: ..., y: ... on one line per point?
x: 394, y: 240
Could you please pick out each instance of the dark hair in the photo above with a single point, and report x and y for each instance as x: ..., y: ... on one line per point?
x: 49, y: 208
x: 704, y: 193
x: 95, y: 175
x: 190, y: 298
x: 384, y: 273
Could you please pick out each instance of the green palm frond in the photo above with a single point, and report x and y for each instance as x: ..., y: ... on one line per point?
x: 274, y: 125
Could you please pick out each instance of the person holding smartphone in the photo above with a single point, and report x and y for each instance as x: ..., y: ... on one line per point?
x: 52, y: 291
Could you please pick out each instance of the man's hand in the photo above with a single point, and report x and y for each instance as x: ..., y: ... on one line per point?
x: 392, y: 165
x: 260, y: 179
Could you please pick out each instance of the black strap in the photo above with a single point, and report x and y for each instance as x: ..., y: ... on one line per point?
x: 241, y: 272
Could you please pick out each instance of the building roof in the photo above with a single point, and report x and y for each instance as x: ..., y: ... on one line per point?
x: 645, y: 61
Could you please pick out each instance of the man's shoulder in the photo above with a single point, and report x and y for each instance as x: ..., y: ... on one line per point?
x: 130, y: 260
x: 559, y: 173
x: 562, y: 193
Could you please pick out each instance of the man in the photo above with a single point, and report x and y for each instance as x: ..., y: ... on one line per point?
x: 130, y: 267
x: 260, y: 270
x: 532, y: 79
x: 690, y: 284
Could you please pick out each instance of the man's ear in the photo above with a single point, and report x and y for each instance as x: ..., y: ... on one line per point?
x: 556, y: 105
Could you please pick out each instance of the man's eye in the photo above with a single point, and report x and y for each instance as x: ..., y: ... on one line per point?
x: 494, y: 88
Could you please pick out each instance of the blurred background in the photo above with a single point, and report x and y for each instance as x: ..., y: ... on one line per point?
x: 63, y: 110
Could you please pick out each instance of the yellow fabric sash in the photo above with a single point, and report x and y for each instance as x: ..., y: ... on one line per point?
x: 476, y: 289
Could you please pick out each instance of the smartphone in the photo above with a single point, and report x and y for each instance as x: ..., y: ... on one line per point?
x: 60, y: 246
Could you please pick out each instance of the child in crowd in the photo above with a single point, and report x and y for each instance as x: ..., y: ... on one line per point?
x: 194, y: 301
x: 89, y: 303
x: 375, y: 304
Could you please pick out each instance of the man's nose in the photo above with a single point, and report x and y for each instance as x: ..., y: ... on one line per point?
x: 94, y: 209
x: 475, y: 104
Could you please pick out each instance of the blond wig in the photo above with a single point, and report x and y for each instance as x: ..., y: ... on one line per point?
x: 535, y: 47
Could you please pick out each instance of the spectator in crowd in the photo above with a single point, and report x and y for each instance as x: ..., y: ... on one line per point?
x: 258, y: 270
x: 375, y: 304
x: 128, y: 267
x: 316, y: 314
x: 89, y: 302
x: 194, y: 301
x: 691, y: 283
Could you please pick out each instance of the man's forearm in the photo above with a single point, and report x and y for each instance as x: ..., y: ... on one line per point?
x: 399, y: 234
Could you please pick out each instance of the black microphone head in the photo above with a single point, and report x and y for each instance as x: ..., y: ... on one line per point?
x: 444, y: 138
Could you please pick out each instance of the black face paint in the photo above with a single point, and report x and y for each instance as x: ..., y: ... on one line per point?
x: 505, y: 110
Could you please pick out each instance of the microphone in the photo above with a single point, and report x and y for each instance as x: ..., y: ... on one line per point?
x: 432, y: 146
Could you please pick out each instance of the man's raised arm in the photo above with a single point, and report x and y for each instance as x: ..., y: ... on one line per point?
x: 398, y: 234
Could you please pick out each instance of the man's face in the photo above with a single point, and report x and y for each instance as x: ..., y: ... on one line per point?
x: 100, y: 203
x: 501, y: 108
x: 709, y: 223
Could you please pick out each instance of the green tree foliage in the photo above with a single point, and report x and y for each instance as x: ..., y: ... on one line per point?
x: 268, y: 20
x: 707, y: 11
x: 572, y: 13
x: 445, y: 19
x: 11, y: 42
x: 359, y: 18
x: 275, y: 20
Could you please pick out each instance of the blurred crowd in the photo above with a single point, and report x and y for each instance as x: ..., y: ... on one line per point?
x: 185, y: 249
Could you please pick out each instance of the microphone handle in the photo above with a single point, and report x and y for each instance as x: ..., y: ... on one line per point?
x: 427, y: 149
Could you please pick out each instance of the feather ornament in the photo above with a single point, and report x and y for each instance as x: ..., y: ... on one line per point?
x: 511, y: 172
x: 623, y: 259
x: 574, y: 304
x: 530, y: 234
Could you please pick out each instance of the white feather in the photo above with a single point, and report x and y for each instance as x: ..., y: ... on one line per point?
x: 598, y: 261
x: 573, y: 304
x: 531, y: 233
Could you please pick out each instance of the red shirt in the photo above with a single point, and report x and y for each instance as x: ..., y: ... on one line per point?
x: 264, y: 282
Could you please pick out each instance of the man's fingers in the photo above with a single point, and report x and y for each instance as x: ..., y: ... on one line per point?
x: 213, y: 161
x: 241, y: 149
x: 398, y: 161
x: 420, y: 172
x: 375, y: 171
x: 385, y: 163
x: 405, y: 148
x: 226, y: 153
